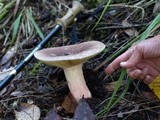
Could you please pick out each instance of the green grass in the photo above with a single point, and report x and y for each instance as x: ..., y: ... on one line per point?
x: 153, y: 26
x: 114, y: 100
x: 149, y: 30
x: 6, y: 8
x: 16, y: 27
x: 40, y: 33
x: 105, y: 8
x: 37, y: 28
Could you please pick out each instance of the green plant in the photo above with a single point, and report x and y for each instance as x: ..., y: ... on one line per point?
x: 6, y: 8
x: 155, y: 24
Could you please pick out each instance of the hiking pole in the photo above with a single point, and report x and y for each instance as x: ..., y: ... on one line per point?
x: 60, y: 23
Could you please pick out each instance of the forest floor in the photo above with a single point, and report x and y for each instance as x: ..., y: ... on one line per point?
x: 40, y: 91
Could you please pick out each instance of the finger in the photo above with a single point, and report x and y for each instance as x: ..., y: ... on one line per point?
x: 134, y: 73
x: 144, y: 74
x: 145, y: 71
x: 135, y: 58
x: 116, y: 63
x: 151, y: 71
x: 149, y: 79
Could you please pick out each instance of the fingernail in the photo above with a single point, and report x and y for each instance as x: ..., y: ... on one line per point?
x: 122, y: 64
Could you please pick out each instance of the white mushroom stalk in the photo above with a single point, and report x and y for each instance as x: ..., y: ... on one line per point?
x: 76, y: 82
x: 71, y: 58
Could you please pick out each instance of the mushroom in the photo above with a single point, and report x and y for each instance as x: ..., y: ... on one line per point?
x: 71, y: 58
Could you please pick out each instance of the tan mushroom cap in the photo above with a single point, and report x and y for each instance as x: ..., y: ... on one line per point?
x: 68, y: 56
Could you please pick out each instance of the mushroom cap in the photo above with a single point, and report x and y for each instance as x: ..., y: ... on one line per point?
x: 71, y: 55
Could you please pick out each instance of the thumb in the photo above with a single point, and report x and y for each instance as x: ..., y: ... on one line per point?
x: 135, y: 58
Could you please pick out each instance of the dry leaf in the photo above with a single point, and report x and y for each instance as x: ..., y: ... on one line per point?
x: 3, y: 91
x: 27, y: 112
x: 1, y: 36
x: 42, y: 89
x: 130, y: 31
x: 83, y: 111
x: 68, y: 104
x: 110, y: 86
x: 150, y: 95
x: 8, y: 56
x: 156, y: 8
x: 52, y: 115
x: 17, y: 94
x: 5, y: 72
x: 16, y: 7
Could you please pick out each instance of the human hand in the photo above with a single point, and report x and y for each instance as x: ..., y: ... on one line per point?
x: 142, y: 60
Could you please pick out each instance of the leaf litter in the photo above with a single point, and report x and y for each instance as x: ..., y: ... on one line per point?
x: 27, y: 112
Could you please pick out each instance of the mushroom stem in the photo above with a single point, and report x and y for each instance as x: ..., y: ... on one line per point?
x: 76, y: 82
